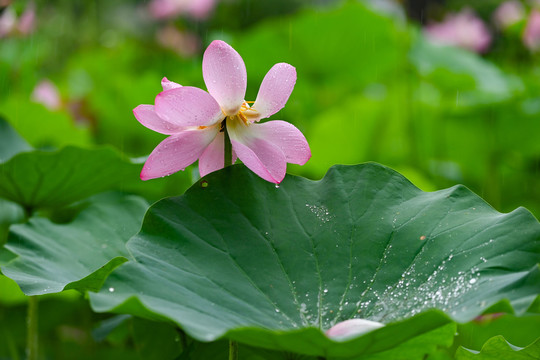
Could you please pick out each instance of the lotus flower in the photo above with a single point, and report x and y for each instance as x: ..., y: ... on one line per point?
x: 531, y: 34
x: 463, y: 29
x: 197, y: 9
x: 8, y: 21
x: 24, y: 25
x: 351, y: 328
x: 184, y: 43
x: 27, y: 21
x: 47, y: 93
x: 195, y: 120
x: 508, y: 13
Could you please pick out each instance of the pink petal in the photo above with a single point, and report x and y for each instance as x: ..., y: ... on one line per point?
x: 188, y: 106
x: 225, y: 76
x: 213, y: 157
x: 177, y: 151
x: 285, y: 136
x: 168, y: 85
x: 352, y: 328
x: 147, y: 116
x: 260, y: 156
x: 274, y: 92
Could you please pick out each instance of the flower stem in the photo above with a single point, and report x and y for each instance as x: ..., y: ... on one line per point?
x: 32, y: 329
x: 233, y: 350
x: 228, y: 145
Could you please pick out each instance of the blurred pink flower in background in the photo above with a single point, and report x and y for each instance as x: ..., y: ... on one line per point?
x: 27, y: 21
x: 531, y: 34
x: 47, y: 93
x: 197, y: 9
x: 463, y: 29
x: 8, y: 21
x: 183, y: 43
x: 24, y: 25
x: 508, y: 13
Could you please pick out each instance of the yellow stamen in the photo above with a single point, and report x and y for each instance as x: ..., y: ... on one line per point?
x: 243, y: 117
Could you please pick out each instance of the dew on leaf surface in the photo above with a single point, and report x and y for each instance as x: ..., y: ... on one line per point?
x: 321, y: 212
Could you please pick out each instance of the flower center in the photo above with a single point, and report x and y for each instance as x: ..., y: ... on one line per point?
x: 241, y: 116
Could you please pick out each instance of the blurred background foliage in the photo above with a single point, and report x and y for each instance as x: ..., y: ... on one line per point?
x: 376, y: 82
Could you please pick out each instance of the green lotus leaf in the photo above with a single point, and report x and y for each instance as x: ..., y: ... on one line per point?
x: 10, y: 213
x: 479, y: 81
x: 497, y: 348
x: 273, y: 267
x: 77, y: 255
x: 417, y: 348
x: 42, y: 127
x: 517, y: 330
x: 11, y: 143
x: 49, y: 179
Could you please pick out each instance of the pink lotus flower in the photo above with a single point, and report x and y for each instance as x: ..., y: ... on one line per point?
x: 194, y: 118
x: 531, y: 34
x: 463, y: 29
x: 24, y: 25
x: 47, y: 93
x: 351, y: 328
x: 27, y: 21
x: 184, y: 43
x: 508, y: 13
x: 165, y: 9
x: 8, y: 21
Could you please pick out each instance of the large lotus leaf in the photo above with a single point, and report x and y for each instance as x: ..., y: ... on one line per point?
x: 497, y: 348
x: 77, y: 255
x: 46, y: 179
x: 416, y: 348
x: 272, y: 267
x: 11, y: 142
